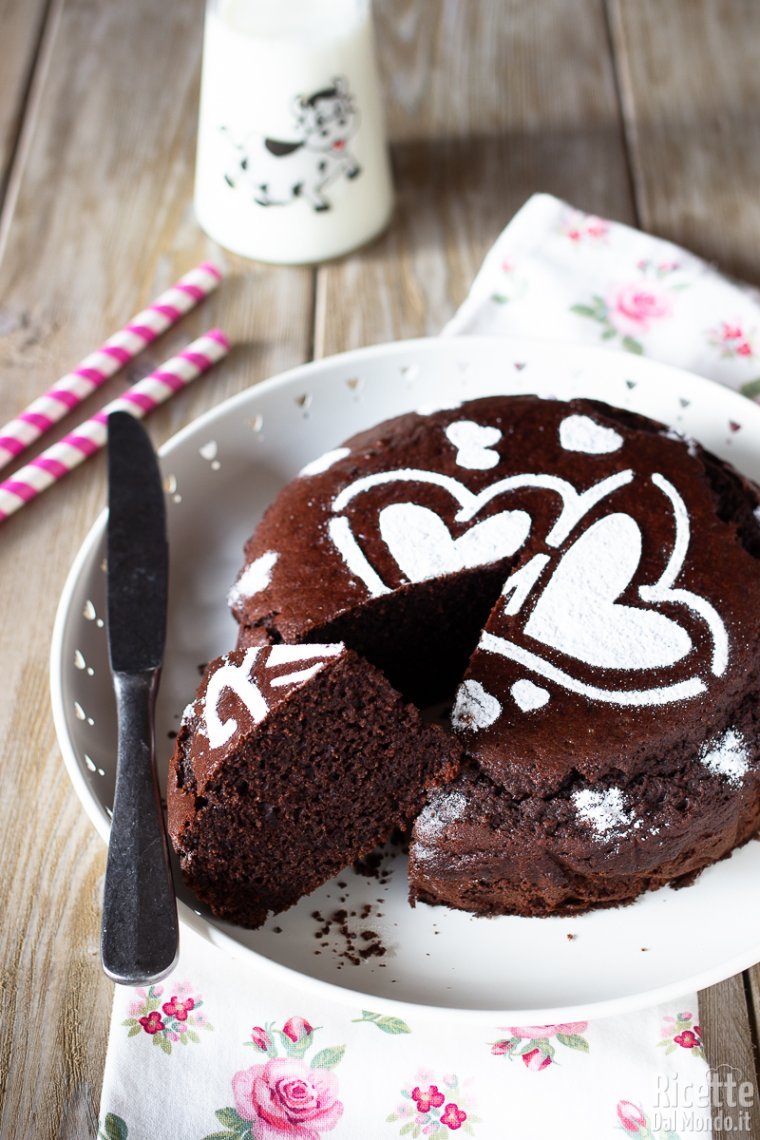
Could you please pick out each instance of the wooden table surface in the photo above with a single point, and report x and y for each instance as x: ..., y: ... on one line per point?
x: 639, y: 110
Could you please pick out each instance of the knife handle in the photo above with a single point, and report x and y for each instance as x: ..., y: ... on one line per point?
x: 140, y: 933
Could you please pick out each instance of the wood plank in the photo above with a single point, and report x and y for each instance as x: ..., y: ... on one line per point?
x: 22, y: 23
x: 690, y: 85
x: 102, y: 222
x: 483, y: 110
x: 728, y: 1042
x: 752, y: 992
x: 689, y: 89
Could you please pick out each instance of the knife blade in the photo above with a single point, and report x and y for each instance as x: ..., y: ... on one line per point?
x: 140, y: 933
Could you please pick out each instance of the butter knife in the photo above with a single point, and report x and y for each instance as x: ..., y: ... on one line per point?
x: 140, y: 933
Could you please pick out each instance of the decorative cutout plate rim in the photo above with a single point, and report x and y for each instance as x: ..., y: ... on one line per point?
x: 528, y: 970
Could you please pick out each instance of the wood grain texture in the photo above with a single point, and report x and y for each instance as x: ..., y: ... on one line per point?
x: 690, y: 85
x: 21, y: 24
x: 728, y: 1042
x: 488, y: 102
x: 102, y: 221
x: 752, y: 992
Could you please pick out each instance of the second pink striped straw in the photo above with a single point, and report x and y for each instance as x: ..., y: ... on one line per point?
x: 56, y: 462
x: 17, y: 435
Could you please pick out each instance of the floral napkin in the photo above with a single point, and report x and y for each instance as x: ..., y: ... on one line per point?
x: 219, y: 1050
x: 558, y: 274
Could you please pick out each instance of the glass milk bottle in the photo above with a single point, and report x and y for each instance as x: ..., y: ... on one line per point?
x: 292, y: 162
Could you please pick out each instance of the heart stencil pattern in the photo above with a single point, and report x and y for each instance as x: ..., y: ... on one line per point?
x: 581, y: 433
x: 474, y: 444
x: 423, y: 547
x: 578, y: 613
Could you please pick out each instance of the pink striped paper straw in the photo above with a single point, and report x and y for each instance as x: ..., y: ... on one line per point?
x: 89, y: 437
x: 96, y: 368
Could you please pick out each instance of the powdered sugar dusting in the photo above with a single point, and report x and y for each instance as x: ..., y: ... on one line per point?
x: 431, y: 409
x: 605, y: 812
x: 299, y: 676
x: 474, y: 444
x: 289, y: 654
x: 682, y: 437
x: 423, y: 547
x: 581, y: 433
x: 475, y: 707
x: 578, y: 612
x: 443, y: 808
x: 254, y: 578
x: 239, y: 680
x: 727, y: 755
x: 529, y: 696
x: 325, y: 462
x: 299, y: 655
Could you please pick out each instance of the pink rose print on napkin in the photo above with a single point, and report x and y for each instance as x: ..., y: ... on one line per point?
x: 679, y: 1032
x: 284, y: 1095
x: 634, y: 1122
x: 632, y: 308
x: 296, y: 1028
x: 635, y: 306
x: 513, y: 285
x: 434, y: 1107
x: 532, y: 1045
x: 632, y: 1119
x: 580, y: 228
x: 735, y: 341
x: 169, y: 1022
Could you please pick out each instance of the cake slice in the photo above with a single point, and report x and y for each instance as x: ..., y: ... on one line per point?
x: 292, y: 762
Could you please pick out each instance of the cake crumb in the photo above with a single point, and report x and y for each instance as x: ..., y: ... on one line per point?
x: 571, y: 937
x: 338, y: 934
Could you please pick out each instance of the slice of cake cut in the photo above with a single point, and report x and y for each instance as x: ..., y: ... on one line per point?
x: 398, y: 542
x: 292, y: 762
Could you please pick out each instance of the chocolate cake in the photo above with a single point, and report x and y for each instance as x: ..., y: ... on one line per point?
x: 611, y: 705
x: 292, y: 762
x: 588, y: 582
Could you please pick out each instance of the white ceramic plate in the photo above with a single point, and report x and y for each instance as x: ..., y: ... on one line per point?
x: 220, y: 474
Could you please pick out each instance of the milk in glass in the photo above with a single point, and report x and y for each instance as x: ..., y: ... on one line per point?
x: 292, y: 161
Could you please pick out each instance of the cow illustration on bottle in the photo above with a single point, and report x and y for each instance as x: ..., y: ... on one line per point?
x: 279, y: 171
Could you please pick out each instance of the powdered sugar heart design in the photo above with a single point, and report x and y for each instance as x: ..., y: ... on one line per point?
x: 474, y: 444
x: 474, y: 708
x: 578, y: 614
x: 421, y: 543
x: 575, y: 505
x: 528, y: 696
x: 581, y: 433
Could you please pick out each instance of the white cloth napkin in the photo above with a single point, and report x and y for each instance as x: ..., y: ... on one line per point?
x: 219, y: 1051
